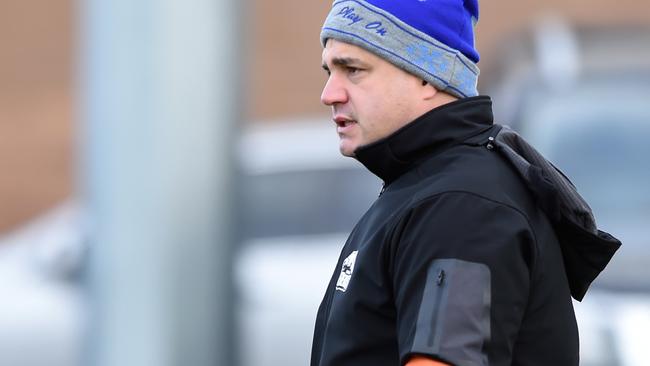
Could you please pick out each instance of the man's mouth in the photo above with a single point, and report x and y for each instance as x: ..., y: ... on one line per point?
x: 342, y: 121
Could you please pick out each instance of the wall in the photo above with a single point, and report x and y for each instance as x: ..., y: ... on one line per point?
x: 35, y: 107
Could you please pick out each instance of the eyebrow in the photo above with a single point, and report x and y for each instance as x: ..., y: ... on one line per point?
x: 344, y: 61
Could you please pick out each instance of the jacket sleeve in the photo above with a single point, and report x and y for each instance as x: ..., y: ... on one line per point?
x: 461, y: 269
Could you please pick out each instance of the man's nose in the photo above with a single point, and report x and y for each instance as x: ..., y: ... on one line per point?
x: 333, y: 92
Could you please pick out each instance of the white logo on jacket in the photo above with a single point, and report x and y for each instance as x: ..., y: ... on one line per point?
x: 346, y: 271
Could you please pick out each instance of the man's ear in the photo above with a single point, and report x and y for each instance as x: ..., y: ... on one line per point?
x: 428, y: 91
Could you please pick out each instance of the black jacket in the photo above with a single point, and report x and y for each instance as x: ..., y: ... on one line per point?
x: 457, y: 259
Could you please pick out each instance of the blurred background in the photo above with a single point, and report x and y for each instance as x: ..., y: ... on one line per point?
x: 171, y: 190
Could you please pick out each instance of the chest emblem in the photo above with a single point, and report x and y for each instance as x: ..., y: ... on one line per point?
x: 346, y: 271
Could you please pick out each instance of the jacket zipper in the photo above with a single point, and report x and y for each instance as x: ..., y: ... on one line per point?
x: 441, y: 288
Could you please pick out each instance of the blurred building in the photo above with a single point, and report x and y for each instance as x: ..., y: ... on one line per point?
x: 282, y: 79
x: 36, y: 104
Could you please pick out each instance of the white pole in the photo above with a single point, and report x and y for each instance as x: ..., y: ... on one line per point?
x: 158, y: 104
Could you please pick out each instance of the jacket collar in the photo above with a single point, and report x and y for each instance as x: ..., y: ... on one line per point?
x: 436, y: 130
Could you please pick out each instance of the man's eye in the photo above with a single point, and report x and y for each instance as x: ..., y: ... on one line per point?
x: 353, y: 70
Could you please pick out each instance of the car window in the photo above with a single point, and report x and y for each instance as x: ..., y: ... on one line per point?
x: 608, y: 164
x: 305, y: 202
x: 598, y: 136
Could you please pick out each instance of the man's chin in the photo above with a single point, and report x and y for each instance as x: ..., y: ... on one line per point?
x: 347, y: 150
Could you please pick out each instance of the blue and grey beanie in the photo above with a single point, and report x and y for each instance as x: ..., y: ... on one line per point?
x: 432, y: 39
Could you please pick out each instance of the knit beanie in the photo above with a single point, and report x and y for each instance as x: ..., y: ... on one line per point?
x: 432, y: 39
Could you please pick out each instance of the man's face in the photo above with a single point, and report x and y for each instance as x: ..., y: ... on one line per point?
x: 370, y: 97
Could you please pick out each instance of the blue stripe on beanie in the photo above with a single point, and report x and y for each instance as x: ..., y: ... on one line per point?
x: 432, y: 39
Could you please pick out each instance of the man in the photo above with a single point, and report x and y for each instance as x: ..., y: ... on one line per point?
x: 475, y: 245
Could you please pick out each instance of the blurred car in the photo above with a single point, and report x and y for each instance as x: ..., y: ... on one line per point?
x: 581, y: 97
x: 42, y: 312
x: 299, y: 201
